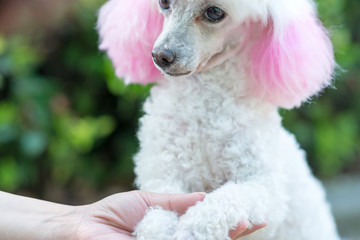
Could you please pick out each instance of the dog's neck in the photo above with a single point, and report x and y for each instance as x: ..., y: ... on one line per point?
x: 224, y: 82
x: 228, y: 77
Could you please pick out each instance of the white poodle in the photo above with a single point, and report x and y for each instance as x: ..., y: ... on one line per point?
x: 211, y: 124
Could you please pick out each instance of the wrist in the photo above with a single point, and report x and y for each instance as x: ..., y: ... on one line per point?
x: 32, y: 219
x: 60, y: 223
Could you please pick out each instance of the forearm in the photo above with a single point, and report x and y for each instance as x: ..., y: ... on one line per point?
x: 26, y: 218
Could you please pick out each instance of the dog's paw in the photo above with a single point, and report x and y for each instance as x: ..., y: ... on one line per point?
x: 157, y: 224
x: 195, y: 230
x: 198, y: 224
x: 183, y: 235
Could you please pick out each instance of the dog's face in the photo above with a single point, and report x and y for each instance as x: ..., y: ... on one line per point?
x: 286, y: 55
x: 198, y: 34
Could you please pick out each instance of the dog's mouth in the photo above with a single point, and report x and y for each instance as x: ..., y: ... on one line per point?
x: 178, y: 74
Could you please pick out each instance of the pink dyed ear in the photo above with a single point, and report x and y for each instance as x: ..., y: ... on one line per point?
x: 293, y: 66
x: 128, y: 31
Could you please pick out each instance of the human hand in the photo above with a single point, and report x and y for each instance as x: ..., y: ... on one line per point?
x: 115, y: 217
x: 111, y: 218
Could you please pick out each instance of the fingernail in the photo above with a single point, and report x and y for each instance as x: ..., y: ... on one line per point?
x: 200, y: 193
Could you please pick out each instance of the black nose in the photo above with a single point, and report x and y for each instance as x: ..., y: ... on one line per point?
x: 163, y: 58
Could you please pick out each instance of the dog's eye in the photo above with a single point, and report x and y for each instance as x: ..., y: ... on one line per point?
x: 214, y: 14
x: 164, y: 4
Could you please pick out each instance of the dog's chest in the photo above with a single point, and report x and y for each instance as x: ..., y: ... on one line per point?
x: 215, y: 151
x: 202, y: 140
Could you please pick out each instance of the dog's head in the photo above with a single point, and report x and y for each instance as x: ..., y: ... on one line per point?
x: 289, y: 55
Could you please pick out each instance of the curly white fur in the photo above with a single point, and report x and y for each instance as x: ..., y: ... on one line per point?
x: 208, y: 132
x: 198, y: 135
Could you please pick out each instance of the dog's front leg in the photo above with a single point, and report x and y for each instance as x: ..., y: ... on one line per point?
x: 221, y: 211
x: 158, y: 224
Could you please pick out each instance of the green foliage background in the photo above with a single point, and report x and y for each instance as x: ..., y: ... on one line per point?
x: 67, y: 123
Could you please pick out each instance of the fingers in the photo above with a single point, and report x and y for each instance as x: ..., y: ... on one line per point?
x: 243, y: 229
x: 251, y: 230
x: 173, y: 202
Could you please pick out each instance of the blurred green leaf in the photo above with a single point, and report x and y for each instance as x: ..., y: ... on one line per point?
x: 83, y: 132
x: 9, y: 178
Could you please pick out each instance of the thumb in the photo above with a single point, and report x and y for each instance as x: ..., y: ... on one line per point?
x: 172, y: 202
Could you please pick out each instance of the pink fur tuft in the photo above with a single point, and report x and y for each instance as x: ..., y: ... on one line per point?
x: 290, y: 68
x: 128, y: 31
